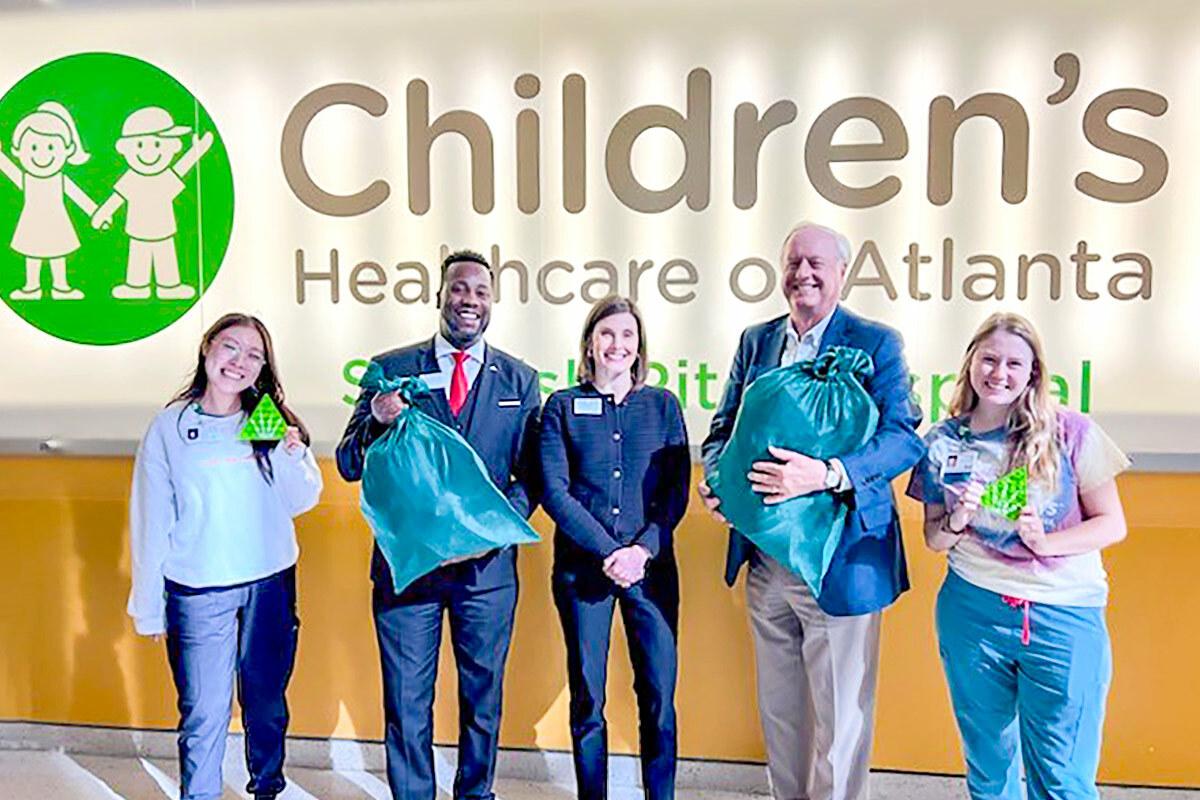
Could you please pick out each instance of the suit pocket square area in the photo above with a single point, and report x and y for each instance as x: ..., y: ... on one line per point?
x: 509, y: 403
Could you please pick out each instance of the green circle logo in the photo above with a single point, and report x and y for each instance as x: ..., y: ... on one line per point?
x: 116, y: 199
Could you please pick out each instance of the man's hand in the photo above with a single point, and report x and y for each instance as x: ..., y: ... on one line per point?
x: 794, y: 475
x: 386, y: 407
x: 627, y: 566
x: 711, y: 501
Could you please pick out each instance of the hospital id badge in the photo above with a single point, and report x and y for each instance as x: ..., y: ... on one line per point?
x: 959, y: 466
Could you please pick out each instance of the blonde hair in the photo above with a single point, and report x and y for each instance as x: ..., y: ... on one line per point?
x: 1032, y: 418
x: 609, y: 306
x: 53, y: 119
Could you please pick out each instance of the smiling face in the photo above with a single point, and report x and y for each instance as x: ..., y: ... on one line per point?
x: 234, y: 359
x: 1001, y: 368
x: 466, y: 303
x: 813, y: 274
x: 150, y: 155
x: 42, y: 155
x: 614, y: 345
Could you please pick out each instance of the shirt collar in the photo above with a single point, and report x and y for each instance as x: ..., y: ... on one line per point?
x: 443, y: 349
x: 816, y: 332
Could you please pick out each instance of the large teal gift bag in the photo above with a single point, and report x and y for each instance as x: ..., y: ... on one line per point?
x: 427, y: 495
x: 818, y: 408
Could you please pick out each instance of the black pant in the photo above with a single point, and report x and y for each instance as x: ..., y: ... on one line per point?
x: 650, y: 610
x: 481, y: 598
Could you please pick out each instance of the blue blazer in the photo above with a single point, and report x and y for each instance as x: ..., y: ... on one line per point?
x: 868, y: 571
x: 499, y: 420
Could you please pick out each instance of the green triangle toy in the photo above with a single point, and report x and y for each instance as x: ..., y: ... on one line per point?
x: 1007, y: 495
x: 266, y: 424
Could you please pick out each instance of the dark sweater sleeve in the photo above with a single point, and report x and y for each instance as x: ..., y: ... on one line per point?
x: 674, y: 464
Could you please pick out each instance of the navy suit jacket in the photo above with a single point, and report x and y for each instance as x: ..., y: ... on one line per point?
x: 868, y: 571
x: 499, y: 420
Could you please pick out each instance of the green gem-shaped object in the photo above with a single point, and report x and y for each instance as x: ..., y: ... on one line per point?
x: 266, y: 424
x: 1008, y: 494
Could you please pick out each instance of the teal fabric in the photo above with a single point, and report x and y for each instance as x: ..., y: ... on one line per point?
x: 819, y: 408
x: 426, y: 494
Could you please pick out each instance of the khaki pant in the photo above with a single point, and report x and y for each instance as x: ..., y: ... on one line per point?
x: 816, y: 687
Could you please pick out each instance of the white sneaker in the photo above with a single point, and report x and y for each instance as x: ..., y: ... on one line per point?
x: 66, y: 294
x: 25, y: 294
x: 180, y: 291
x: 126, y: 292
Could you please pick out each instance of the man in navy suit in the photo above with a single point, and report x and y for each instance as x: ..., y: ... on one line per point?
x: 493, y: 401
x: 817, y: 657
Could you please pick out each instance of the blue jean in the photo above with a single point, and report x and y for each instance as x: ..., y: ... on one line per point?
x: 1045, y: 697
x: 650, y: 610
x: 246, y: 632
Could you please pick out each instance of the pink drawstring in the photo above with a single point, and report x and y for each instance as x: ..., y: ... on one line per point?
x: 1016, y: 602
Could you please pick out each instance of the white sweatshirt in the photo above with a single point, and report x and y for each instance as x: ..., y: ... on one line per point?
x: 201, y: 513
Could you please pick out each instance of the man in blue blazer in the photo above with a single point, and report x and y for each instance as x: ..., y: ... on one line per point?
x: 817, y: 657
x: 493, y: 401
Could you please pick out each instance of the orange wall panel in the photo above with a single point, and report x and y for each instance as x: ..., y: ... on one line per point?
x: 68, y: 652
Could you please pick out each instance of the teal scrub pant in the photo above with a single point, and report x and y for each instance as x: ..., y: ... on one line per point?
x: 1033, y: 677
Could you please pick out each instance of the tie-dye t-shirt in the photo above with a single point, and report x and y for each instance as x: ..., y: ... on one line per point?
x: 992, y: 555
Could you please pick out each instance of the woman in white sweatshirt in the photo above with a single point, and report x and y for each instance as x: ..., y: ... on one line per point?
x: 214, y: 554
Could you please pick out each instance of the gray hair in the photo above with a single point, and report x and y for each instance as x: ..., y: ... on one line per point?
x: 843, y: 244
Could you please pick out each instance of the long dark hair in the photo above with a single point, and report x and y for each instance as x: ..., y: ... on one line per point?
x: 613, y: 304
x: 267, y: 383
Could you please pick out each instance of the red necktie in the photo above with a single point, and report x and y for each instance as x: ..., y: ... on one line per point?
x: 458, y: 383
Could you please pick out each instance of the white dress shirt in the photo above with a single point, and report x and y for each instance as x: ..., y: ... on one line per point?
x: 801, y: 348
x: 444, y: 351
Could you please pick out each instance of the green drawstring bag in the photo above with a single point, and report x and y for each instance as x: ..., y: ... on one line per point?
x: 818, y: 408
x: 427, y: 495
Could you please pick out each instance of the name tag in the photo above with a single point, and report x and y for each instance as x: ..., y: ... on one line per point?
x: 435, y: 380
x: 588, y: 406
x: 509, y: 403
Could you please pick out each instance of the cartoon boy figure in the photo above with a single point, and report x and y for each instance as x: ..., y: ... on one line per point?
x: 150, y: 141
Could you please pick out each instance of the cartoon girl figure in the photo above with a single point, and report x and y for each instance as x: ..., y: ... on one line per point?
x: 44, y: 143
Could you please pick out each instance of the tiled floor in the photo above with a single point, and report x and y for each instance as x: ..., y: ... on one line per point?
x: 41, y: 775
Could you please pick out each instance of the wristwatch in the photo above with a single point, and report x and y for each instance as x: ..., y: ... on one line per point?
x: 832, y: 477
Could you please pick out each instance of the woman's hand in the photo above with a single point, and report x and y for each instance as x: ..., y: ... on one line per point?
x: 1031, y: 530
x: 292, y: 440
x: 964, y: 510
x: 627, y: 566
